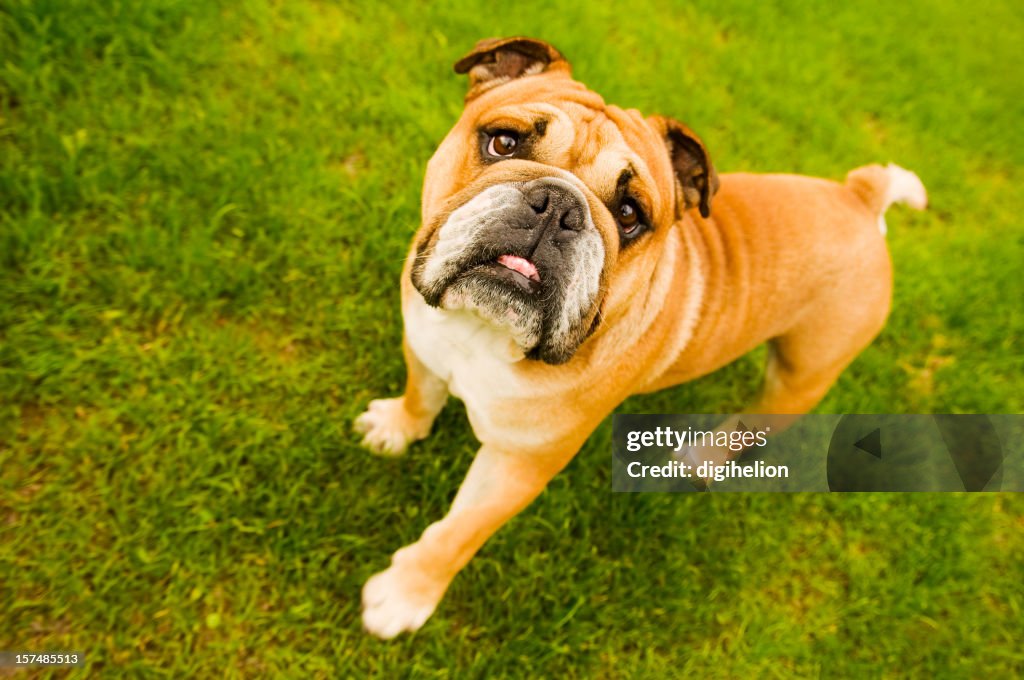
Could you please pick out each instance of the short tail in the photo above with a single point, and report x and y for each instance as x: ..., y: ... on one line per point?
x: 879, y: 187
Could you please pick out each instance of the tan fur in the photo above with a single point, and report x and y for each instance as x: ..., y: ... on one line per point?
x: 795, y: 261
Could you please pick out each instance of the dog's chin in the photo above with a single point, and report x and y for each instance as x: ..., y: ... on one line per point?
x: 510, y: 306
x: 502, y: 298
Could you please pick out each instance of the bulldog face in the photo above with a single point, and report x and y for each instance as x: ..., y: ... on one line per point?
x: 543, y: 199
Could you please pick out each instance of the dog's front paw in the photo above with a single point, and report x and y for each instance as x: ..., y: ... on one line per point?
x: 395, y: 602
x: 387, y: 428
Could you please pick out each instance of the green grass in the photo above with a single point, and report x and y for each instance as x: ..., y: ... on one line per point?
x: 204, y: 207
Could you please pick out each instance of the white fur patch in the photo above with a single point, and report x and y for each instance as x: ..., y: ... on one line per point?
x: 392, y: 606
x: 388, y: 429
x: 459, y: 231
x: 904, y: 187
x: 445, y: 339
x: 470, y: 355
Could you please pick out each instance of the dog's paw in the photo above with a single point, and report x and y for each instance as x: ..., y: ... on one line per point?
x: 394, y: 603
x: 387, y: 428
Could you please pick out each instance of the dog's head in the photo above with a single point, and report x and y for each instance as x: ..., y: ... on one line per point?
x: 543, y: 202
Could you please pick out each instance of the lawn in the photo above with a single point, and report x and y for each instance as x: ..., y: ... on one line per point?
x: 204, y: 207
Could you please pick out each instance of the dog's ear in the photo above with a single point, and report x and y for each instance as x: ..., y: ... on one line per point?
x: 498, y: 60
x: 691, y: 161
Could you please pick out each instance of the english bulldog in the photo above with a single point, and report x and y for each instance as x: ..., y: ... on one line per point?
x: 573, y: 253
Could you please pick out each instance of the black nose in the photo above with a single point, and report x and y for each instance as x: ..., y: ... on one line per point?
x: 554, y: 204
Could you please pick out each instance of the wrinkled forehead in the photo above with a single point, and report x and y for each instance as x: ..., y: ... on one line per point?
x: 577, y: 131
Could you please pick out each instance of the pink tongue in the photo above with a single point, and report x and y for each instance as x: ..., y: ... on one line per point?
x: 521, y: 265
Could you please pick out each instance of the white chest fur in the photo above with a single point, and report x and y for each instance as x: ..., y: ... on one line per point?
x: 472, y: 356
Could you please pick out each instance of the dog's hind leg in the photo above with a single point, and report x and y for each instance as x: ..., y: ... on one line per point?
x: 806, y: 361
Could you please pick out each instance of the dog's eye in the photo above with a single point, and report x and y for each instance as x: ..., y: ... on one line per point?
x: 628, y: 215
x: 503, y: 144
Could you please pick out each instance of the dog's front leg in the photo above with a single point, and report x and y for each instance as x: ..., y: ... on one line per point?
x: 388, y: 426
x: 499, y: 484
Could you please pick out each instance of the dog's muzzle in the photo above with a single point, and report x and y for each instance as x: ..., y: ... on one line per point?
x: 523, y: 255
